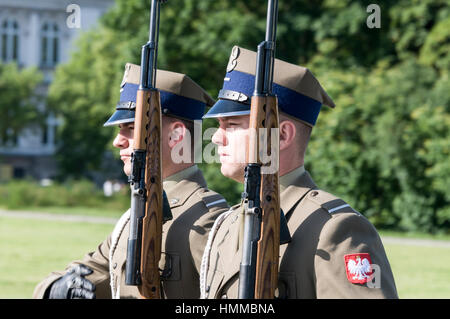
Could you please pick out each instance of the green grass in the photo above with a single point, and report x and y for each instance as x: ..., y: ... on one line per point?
x: 420, y: 272
x: 31, y: 249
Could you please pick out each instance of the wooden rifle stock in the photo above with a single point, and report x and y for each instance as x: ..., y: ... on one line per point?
x: 264, y: 115
x: 149, y: 205
x: 147, y: 136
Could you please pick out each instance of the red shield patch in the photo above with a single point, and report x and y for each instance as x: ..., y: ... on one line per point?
x: 358, y: 268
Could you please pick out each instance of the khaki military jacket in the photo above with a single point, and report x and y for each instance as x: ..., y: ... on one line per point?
x: 326, y: 233
x: 194, y: 209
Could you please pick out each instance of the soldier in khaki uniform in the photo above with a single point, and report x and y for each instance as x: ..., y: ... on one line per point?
x: 334, y: 249
x: 101, y: 273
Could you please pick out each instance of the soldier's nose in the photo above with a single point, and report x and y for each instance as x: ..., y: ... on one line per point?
x: 120, y: 141
x: 219, y: 137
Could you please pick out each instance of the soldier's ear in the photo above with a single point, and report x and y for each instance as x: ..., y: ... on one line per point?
x: 177, y: 133
x: 288, y: 131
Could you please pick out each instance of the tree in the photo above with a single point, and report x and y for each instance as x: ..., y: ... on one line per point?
x: 85, y: 92
x: 384, y: 146
x: 19, y: 100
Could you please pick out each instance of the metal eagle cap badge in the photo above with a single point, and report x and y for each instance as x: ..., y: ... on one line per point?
x: 232, y: 62
x: 125, y: 75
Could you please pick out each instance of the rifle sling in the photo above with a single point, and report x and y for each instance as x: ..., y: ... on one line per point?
x: 285, y: 236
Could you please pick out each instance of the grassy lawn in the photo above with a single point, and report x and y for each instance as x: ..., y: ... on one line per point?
x: 31, y: 249
x: 420, y: 272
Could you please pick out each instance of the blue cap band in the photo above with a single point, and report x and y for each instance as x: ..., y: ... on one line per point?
x: 184, y: 107
x: 289, y: 101
x: 128, y: 92
x: 171, y: 104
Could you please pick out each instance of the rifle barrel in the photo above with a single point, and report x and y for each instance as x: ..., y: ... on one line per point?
x: 150, y: 49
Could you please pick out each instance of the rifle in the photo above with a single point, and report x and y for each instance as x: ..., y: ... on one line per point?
x: 149, y: 205
x: 260, y: 253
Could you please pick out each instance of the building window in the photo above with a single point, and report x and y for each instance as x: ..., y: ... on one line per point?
x: 19, y: 172
x: 49, y: 44
x: 9, y: 40
x: 44, y: 134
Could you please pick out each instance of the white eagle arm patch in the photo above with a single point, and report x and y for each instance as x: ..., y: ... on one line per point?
x: 358, y: 267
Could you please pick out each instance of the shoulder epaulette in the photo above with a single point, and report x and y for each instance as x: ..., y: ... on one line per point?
x: 329, y: 202
x: 211, y: 198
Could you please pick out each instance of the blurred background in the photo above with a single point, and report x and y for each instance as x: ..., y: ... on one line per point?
x: 384, y: 148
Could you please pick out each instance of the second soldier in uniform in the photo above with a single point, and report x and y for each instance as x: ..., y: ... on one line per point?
x: 334, y: 249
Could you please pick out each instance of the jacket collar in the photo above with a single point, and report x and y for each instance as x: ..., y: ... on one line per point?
x: 288, y: 179
x: 180, y: 186
x: 292, y: 194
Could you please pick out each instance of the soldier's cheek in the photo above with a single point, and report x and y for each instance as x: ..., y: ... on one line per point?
x: 237, y: 147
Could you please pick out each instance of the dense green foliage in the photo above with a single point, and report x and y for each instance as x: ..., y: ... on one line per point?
x: 388, y: 155
x: 84, y: 93
x: 385, y: 146
x: 18, y: 100
x: 23, y: 194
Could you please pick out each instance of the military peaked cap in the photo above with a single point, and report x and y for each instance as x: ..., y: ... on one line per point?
x: 299, y: 93
x: 180, y: 96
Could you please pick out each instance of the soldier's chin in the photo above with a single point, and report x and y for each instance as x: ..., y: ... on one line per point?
x: 233, y: 171
x: 127, y: 169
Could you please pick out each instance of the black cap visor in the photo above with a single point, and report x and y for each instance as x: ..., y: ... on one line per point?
x: 119, y: 117
x: 226, y: 108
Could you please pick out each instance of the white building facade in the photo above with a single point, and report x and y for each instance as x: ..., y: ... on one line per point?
x: 40, y: 33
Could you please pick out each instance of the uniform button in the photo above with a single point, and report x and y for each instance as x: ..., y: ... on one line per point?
x: 115, y: 266
x: 314, y: 193
x: 277, y: 293
x: 281, y: 291
x: 224, y: 297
